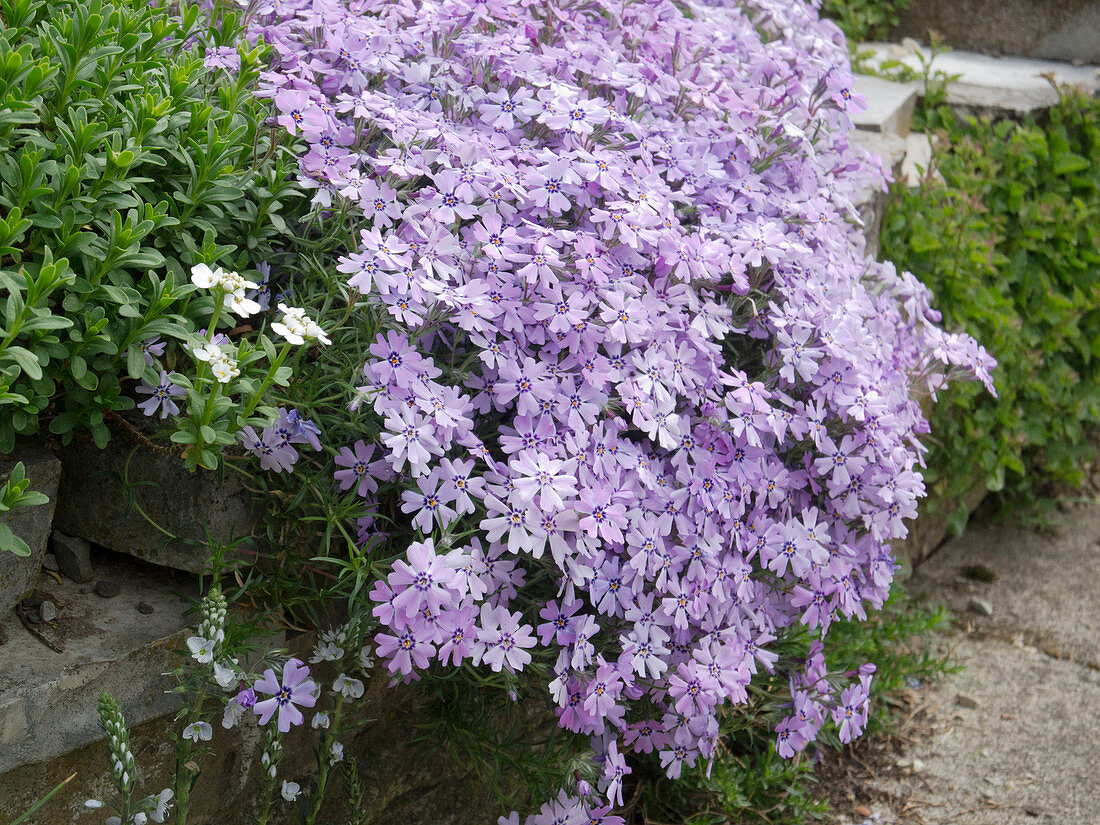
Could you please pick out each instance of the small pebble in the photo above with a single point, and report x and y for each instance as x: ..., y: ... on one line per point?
x: 107, y: 589
x: 145, y: 608
x: 964, y: 701
x: 918, y: 765
x: 85, y: 590
x: 863, y: 810
x: 32, y: 601
x: 980, y: 606
x: 49, y: 611
x: 1032, y: 811
x: 49, y: 561
x: 33, y: 617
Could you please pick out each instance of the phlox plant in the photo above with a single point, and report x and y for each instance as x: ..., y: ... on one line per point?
x: 626, y: 402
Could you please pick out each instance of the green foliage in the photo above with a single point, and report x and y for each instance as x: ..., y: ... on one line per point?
x: 863, y: 20
x: 15, y: 494
x: 749, y: 782
x: 1005, y: 234
x: 123, y: 162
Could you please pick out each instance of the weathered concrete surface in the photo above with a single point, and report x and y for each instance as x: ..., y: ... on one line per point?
x: 1027, y: 754
x: 32, y: 524
x: 1003, y: 86
x: 48, y: 699
x: 1014, y: 737
x: 890, y: 105
x: 93, y: 503
x: 1048, y: 29
x: 1047, y: 587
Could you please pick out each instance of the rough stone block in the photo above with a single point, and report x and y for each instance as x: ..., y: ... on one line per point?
x: 32, y: 524
x: 74, y: 556
x: 1049, y: 29
x: 405, y: 779
x: 48, y: 698
x: 889, y: 105
x: 93, y: 503
x: 930, y: 528
x: 870, y: 202
x: 918, y: 155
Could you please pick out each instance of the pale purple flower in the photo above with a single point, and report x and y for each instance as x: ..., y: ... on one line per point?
x: 294, y: 688
x: 160, y: 397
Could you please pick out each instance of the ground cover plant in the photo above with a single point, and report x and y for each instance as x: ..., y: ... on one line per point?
x: 605, y: 406
x: 1003, y: 229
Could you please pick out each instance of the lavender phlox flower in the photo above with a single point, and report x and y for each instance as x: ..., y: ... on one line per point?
x: 287, y: 692
x: 150, y: 347
x: 265, y: 446
x: 160, y: 397
x: 505, y: 639
x: 357, y: 461
x: 423, y: 581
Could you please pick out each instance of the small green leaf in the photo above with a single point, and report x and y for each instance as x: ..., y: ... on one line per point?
x: 26, y: 360
x: 12, y: 543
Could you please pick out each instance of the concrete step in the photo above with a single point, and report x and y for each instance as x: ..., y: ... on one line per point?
x: 871, y: 202
x: 1002, y: 86
x: 48, y: 692
x: 889, y: 105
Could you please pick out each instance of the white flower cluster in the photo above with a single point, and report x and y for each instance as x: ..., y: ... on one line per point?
x: 225, y: 369
x: 297, y: 328
x: 233, y: 284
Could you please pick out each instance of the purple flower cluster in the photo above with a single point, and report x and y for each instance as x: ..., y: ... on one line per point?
x: 274, y: 446
x: 633, y: 342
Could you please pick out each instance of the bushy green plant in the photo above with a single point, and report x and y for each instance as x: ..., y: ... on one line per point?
x: 1006, y: 233
x: 124, y: 161
x: 863, y: 20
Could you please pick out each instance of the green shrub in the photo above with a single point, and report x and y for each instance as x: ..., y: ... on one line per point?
x: 1006, y: 236
x: 123, y: 162
x: 863, y: 20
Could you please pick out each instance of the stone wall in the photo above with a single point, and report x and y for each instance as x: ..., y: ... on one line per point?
x: 1049, y: 29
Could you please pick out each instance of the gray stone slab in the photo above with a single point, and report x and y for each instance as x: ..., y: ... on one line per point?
x: 1013, y: 86
x: 93, y: 503
x: 889, y: 105
x: 1047, y: 589
x: 48, y: 699
x: 32, y: 524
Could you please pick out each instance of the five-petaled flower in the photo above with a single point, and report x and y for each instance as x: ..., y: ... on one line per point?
x: 293, y: 689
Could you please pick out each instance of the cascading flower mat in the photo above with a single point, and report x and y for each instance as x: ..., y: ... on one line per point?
x: 632, y: 352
